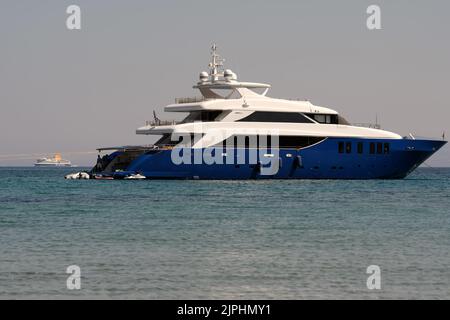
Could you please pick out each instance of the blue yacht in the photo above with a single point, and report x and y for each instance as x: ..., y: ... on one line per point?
x: 235, y: 131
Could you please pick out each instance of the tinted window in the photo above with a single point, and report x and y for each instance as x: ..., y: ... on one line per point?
x: 324, y: 118
x: 386, y: 148
x: 297, y: 142
x: 341, y: 147
x: 284, y: 141
x: 348, y: 147
x: 372, y: 147
x: 379, y: 147
x: 276, y: 117
x: 360, y: 147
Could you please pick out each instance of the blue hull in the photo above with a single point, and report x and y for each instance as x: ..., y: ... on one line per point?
x: 360, y: 159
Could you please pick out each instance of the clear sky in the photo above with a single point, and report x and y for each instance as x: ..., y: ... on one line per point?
x: 73, y: 91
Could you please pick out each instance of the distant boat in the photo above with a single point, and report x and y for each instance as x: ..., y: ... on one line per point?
x: 56, y: 161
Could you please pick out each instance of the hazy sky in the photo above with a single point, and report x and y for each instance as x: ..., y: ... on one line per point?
x: 74, y: 91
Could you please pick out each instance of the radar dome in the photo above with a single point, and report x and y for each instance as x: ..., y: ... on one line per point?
x: 229, y: 75
x: 203, y: 76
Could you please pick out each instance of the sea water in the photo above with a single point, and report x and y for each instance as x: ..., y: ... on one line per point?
x: 280, y: 239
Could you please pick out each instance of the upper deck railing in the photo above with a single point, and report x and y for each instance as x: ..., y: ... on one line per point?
x: 154, y: 123
x: 367, y: 125
x: 189, y: 100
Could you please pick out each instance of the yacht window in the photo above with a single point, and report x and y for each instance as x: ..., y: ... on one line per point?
x: 360, y: 147
x: 372, y: 148
x: 379, y: 148
x: 348, y: 147
x: 386, y: 148
x: 284, y: 141
x: 324, y: 118
x: 321, y: 118
x: 298, y: 142
x: 341, y: 147
x: 262, y: 116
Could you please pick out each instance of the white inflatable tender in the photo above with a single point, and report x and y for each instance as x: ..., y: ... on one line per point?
x: 135, y: 177
x: 77, y: 176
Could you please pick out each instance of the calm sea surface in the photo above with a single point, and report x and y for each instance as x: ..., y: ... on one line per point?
x: 223, y: 239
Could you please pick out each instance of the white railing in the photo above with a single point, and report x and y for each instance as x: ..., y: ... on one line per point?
x: 367, y: 125
x: 154, y: 123
x: 189, y: 100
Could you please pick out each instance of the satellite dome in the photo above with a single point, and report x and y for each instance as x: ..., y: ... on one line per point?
x: 203, y: 76
x: 229, y: 75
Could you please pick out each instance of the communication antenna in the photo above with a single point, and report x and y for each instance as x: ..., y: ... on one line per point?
x: 216, y: 63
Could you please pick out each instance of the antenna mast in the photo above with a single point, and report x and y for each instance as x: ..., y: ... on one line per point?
x: 216, y: 63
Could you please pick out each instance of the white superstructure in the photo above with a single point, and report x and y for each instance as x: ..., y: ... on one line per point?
x: 226, y: 101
